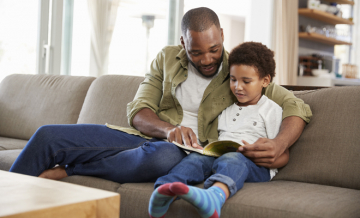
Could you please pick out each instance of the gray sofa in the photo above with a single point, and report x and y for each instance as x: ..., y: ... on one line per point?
x: 322, y: 178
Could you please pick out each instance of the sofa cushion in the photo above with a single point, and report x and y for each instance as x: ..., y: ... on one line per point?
x: 7, y: 158
x: 269, y: 199
x: 10, y: 143
x: 93, y: 182
x: 328, y: 150
x: 30, y: 101
x: 107, y: 99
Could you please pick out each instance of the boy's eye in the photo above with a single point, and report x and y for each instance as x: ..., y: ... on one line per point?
x: 246, y: 82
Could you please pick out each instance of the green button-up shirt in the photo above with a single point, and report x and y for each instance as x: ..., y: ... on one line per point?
x: 169, y: 69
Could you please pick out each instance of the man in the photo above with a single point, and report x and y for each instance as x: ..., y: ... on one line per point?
x: 179, y: 100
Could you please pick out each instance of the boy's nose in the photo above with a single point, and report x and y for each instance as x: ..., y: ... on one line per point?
x: 238, y: 87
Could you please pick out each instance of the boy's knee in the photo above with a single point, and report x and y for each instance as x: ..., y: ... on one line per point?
x: 233, y: 156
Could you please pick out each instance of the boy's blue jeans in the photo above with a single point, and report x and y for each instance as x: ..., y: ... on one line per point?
x: 232, y: 169
x: 95, y: 150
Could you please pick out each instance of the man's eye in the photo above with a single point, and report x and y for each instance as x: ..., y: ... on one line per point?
x: 195, y: 54
x: 214, y: 51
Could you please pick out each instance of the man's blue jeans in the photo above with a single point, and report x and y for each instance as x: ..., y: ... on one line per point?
x: 232, y: 169
x: 95, y: 150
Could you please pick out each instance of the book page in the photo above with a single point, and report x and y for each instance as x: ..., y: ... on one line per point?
x: 188, y: 148
x: 214, y: 149
x: 219, y: 148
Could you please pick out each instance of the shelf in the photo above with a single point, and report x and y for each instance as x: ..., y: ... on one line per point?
x: 321, y: 38
x: 346, y: 2
x: 323, y: 16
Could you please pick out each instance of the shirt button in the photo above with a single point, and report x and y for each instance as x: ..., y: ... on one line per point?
x: 185, y: 75
x: 237, y: 114
x: 234, y: 119
x: 240, y: 108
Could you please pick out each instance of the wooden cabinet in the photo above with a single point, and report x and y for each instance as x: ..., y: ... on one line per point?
x: 342, y: 2
x: 327, y: 18
x: 322, y: 39
x: 323, y: 16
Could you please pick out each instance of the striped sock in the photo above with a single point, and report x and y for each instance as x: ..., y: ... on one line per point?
x: 160, y: 201
x: 208, y: 202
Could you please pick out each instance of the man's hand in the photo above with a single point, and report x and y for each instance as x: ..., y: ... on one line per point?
x: 263, y: 152
x: 183, y: 135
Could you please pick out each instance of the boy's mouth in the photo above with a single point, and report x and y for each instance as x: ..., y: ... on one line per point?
x: 240, y: 95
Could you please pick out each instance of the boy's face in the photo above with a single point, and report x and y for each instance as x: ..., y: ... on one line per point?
x: 246, y: 84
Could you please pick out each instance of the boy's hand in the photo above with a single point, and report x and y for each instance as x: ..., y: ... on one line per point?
x: 263, y: 152
x: 183, y: 135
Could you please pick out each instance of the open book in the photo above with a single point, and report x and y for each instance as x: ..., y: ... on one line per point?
x: 215, y: 149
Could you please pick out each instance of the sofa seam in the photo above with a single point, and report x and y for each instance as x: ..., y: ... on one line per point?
x: 252, y: 206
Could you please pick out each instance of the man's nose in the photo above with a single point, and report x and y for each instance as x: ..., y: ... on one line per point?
x: 206, y: 59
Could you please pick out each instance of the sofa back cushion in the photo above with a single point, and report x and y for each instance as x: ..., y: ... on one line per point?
x: 30, y: 101
x: 328, y: 150
x: 107, y: 99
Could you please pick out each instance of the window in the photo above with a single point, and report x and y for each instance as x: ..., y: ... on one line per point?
x: 18, y: 25
x: 131, y: 50
x: 80, y: 55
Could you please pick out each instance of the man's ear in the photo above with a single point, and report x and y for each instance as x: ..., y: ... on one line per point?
x: 222, y: 34
x: 266, y: 80
x: 182, y: 42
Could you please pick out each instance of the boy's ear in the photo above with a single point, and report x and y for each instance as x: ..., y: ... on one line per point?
x: 266, y: 81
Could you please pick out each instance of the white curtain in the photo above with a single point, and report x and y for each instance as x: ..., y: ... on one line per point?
x: 285, y: 41
x: 102, y: 17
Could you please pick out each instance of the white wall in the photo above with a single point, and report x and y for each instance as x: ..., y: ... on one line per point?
x: 234, y: 30
x: 251, y: 18
x: 258, y: 21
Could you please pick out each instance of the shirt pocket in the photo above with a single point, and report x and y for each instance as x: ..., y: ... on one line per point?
x: 256, y: 126
x: 167, y: 100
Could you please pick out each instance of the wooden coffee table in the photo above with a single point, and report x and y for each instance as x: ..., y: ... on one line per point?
x: 28, y: 196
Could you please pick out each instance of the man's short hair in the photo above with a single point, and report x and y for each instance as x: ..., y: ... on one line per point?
x: 198, y: 20
x: 256, y: 55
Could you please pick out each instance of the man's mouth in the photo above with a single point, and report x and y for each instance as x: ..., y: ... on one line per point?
x: 208, y: 69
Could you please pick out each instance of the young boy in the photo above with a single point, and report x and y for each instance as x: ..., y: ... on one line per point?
x: 254, y: 116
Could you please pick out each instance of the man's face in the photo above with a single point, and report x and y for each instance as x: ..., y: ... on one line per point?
x: 204, y: 49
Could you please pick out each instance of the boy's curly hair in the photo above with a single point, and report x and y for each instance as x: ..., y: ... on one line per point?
x: 256, y: 55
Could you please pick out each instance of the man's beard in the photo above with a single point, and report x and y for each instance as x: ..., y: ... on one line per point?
x: 217, y: 67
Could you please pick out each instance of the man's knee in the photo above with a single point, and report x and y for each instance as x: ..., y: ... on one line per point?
x: 45, y: 131
x: 168, y: 150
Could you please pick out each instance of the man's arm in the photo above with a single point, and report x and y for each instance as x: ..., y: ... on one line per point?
x: 264, y: 152
x: 142, y: 111
x: 147, y: 122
